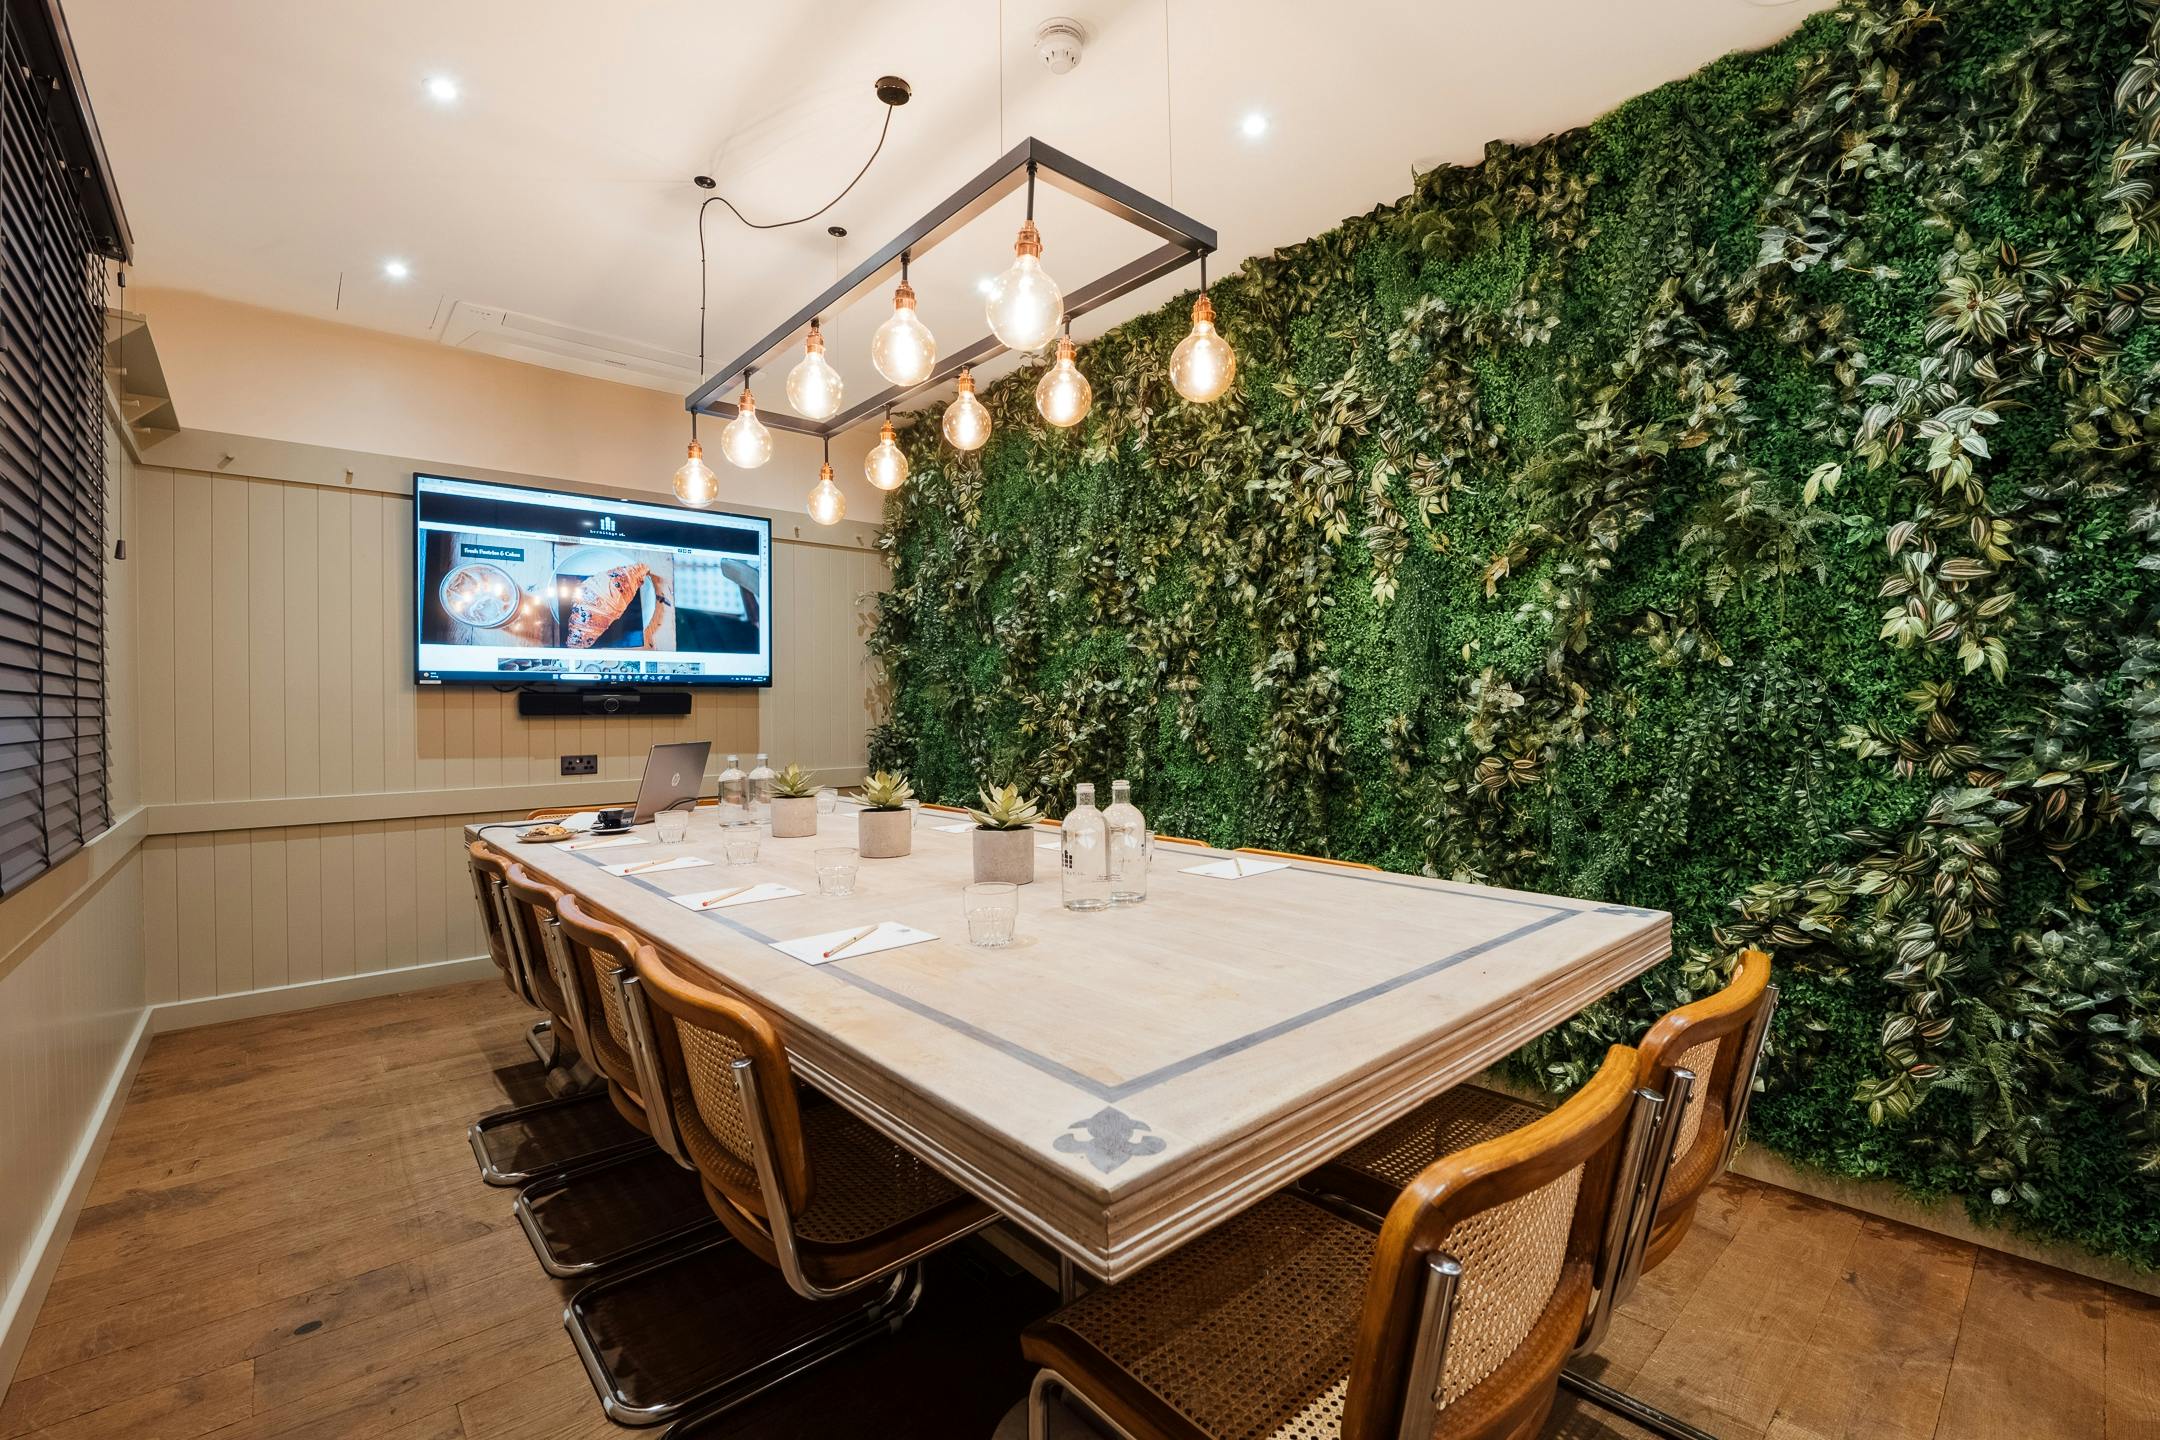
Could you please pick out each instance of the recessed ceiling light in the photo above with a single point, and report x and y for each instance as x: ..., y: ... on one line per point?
x: 396, y: 269
x: 1254, y: 125
x: 442, y: 89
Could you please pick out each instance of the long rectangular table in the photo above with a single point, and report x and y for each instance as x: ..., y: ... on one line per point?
x: 1117, y: 1082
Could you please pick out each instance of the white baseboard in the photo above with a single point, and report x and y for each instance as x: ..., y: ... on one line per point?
x: 19, y: 1306
x: 312, y: 994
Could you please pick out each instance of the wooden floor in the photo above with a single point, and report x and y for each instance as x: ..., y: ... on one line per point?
x: 288, y: 1238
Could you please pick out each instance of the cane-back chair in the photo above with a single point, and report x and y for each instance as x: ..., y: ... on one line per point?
x: 1294, y: 1322
x: 603, y: 960
x: 531, y: 906
x: 488, y: 868
x: 803, y: 1183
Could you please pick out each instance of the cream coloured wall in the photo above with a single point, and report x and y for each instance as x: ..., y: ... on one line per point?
x: 72, y: 1012
x: 240, y: 370
x: 304, y: 797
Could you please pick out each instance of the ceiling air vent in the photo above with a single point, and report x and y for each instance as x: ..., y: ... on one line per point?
x: 535, y: 341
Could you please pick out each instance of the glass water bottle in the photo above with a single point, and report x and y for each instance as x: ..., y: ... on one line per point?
x: 1084, y: 859
x: 759, y: 787
x: 733, y: 793
x: 1128, y: 846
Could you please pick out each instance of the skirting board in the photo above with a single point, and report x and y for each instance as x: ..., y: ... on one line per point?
x: 312, y: 994
x: 19, y: 1306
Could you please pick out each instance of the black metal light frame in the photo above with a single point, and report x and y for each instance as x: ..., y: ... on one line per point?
x: 1185, y: 241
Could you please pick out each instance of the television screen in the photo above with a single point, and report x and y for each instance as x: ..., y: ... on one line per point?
x: 518, y: 586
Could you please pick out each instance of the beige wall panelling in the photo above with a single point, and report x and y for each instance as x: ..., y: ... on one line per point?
x: 298, y: 793
x: 72, y: 1016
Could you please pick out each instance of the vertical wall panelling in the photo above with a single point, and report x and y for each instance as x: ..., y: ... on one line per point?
x: 306, y: 796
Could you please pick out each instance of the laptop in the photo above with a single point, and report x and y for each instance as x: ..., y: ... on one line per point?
x: 673, y: 773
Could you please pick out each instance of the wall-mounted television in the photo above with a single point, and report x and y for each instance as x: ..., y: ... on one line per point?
x: 518, y: 586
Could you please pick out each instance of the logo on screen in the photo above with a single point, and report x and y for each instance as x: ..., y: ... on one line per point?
x: 607, y: 523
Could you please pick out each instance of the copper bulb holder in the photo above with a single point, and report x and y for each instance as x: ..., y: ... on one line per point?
x: 1029, y: 241
x: 824, y: 473
x: 887, y: 434
x: 697, y: 451
x: 747, y: 405
x: 815, y: 345
x: 1065, y: 349
x: 903, y: 296
x: 964, y: 382
x: 1203, y: 310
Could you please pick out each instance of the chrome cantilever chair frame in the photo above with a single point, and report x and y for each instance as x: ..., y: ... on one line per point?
x: 883, y: 1313
x: 517, y: 975
x: 1650, y: 1191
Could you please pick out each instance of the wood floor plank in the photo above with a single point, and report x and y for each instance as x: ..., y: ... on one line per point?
x: 1724, y: 1362
x: 2133, y: 1365
x: 288, y: 1241
x: 2031, y: 1356
x: 1879, y: 1359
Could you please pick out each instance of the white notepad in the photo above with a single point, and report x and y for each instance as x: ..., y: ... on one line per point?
x: 655, y: 867
x: 607, y: 844
x: 1049, y: 844
x: 887, y: 935
x: 770, y: 890
x: 1235, y: 869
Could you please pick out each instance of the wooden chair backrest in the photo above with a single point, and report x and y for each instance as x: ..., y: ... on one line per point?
x: 1714, y: 1038
x: 597, y: 950
x: 1496, y: 1207
x: 532, y: 902
x: 488, y: 866
x: 701, y: 1033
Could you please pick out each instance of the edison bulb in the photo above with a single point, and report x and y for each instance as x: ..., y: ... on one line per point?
x: 1025, y: 306
x: 1063, y: 394
x: 827, y: 504
x: 695, y: 483
x: 903, y: 348
x: 1203, y: 364
x: 814, y: 388
x: 967, y: 424
x: 746, y: 442
x: 885, y: 467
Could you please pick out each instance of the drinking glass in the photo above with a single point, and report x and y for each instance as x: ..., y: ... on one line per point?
x: 914, y: 813
x: 836, y: 872
x: 671, y: 826
x: 828, y: 800
x: 992, y: 908
x: 742, y: 850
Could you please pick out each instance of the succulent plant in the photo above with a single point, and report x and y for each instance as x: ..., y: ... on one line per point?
x: 886, y: 791
x: 793, y: 783
x: 1005, y: 808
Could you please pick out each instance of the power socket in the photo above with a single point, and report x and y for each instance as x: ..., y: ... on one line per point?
x: 581, y: 764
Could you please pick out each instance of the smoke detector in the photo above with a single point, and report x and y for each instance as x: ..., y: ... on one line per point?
x: 1059, y: 42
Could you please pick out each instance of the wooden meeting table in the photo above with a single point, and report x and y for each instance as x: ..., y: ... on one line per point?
x: 1117, y: 1082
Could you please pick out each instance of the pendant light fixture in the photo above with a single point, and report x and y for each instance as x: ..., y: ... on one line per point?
x: 695, y: 483
x: 746, y: 442
x: 1203, y: 365
x: 903, y: 348
x: 827, y: 504
x: 1063, y: 395
x: 814, y: 388
x: 967, y: 424
x: 1025, y: 306
x: 885, y: 467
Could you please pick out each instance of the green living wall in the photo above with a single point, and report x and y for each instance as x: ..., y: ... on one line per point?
x: 1747, y: 506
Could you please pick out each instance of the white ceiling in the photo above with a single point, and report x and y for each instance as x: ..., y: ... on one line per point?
x: 279, y: 151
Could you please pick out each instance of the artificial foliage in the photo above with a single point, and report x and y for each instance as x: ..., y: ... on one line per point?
x: 1747, y: 506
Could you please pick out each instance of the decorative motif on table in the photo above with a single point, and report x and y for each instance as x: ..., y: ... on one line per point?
x: 1108, y: 1139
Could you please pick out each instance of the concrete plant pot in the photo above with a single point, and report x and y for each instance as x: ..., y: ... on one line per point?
x: 794, y: 816
x: 1005, y: 856
x: 885, y: 834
